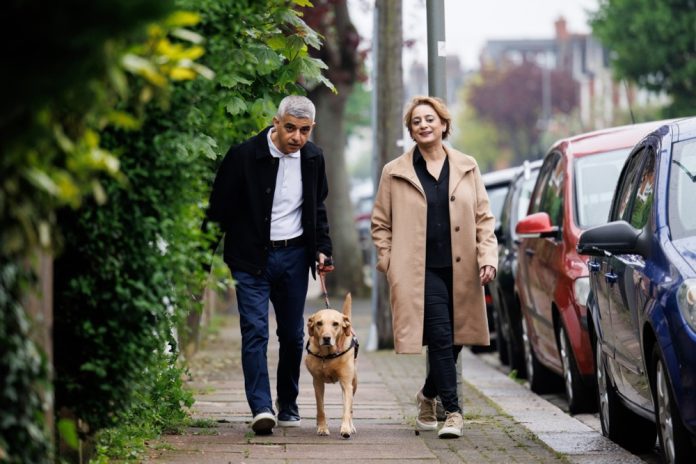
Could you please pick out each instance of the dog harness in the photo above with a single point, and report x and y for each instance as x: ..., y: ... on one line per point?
x: 353, y: 344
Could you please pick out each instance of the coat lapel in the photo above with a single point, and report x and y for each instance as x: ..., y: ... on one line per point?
x: 403, y: 167
x: 460, y: 164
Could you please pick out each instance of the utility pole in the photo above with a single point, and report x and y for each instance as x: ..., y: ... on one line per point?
x: 437, y: 77
x: 437, y: 87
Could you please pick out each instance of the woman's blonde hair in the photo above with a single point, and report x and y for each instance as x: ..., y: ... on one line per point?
x: 437, y: 104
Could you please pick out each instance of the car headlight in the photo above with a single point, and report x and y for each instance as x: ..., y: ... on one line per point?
x: 581, y: 290
x: 686, y: 300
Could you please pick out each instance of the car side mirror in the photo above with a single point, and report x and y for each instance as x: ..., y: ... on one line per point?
x: 616, y: 237
x: 537, y: 225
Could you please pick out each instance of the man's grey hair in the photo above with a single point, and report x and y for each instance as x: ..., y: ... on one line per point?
x: 297, y: 106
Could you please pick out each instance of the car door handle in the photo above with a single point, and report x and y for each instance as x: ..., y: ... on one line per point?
x: 610, y: 277
x: 593, y: 266
x: 529, y: 252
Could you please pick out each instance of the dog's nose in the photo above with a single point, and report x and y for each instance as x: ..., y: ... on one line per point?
x: 326, y: 340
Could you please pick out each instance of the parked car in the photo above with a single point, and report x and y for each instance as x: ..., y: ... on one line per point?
x: 642, y: 300
x: 506, y: 308
x: 573, y: 192
x: 497, y: 184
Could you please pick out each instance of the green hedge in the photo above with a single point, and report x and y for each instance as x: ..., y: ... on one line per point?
x: 131, y: 266
x: 122, y: 281
x: 22, y: 370
x: 130, y: 255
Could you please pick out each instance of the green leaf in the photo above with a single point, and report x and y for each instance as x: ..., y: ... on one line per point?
x: 327, y: 83
x: 123, y: 120
x: 295, y: 47
x: 311, y: 68
x: 302, y: 3
x: 236, y: 106
x: 268, y: 60
x: 231, y: 80
x: 67, y: 429
x: 277, y: 42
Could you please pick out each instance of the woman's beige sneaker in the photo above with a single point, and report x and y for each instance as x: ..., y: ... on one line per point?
x: 427, y: 415
x: 453, y: 427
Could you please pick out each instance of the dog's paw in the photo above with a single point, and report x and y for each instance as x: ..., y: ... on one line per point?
x: 347, y: 431
x: 323, y: 430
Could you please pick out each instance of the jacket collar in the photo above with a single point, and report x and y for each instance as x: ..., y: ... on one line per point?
x: 262, y: 151
x: 459, y: 163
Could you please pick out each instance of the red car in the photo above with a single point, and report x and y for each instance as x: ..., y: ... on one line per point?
x: 573, y: 192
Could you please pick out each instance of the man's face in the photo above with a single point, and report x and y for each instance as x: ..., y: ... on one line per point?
x: 291, y: 133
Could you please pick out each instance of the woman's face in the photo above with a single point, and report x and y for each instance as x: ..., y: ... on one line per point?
x: 426, y: 125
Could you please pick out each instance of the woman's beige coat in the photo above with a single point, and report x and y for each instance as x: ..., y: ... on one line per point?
x: 399, y: 221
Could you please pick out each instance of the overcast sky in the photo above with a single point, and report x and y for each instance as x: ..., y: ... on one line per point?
x: 469, y: 23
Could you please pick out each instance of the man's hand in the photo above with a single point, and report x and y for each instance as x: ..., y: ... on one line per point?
x: 486, y: 274
x: 325, y: 264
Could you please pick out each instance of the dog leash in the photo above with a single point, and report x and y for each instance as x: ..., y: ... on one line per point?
x: 323, y: 289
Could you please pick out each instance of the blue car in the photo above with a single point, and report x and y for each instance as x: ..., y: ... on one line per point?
x: 642, y: 300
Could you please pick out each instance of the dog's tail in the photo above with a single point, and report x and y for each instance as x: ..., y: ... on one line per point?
x: 348, y: 305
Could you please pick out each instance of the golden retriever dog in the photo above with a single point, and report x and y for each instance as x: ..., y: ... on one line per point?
x: 332, y: 351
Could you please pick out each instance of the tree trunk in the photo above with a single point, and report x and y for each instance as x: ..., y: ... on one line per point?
x: 339, y: 52
x: 389, y: 102
x: 330, y: 135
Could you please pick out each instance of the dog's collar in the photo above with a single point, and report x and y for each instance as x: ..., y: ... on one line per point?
x: 353, y: 344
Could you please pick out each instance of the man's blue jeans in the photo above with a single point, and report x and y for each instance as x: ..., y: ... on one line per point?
x: 284, y: 283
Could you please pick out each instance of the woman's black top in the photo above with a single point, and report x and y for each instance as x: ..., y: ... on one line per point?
x: 438, y: 247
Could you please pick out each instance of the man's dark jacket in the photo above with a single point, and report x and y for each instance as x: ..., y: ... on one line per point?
x: 242, y: 198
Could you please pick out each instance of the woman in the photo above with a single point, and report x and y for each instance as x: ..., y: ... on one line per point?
x: 433, y: 230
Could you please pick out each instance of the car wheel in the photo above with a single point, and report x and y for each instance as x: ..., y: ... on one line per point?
x: 580, y: 397
x: 541, y: 379
x: 619, y: 424
x: 673, y: 436
x: 501, y: 340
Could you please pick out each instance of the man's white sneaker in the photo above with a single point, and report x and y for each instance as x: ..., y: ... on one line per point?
x: 263, y: 423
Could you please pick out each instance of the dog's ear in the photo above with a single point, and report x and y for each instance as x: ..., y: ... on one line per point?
x: 310, y: 326
x: 347, y: 326
x: 348, y: 305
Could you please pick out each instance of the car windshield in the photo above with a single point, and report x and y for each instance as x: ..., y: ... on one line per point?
x: 525, y: 195
x: 595, y: 180
x: 682, y: 190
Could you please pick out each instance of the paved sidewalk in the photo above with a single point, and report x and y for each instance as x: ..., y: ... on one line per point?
x: 514, y: 427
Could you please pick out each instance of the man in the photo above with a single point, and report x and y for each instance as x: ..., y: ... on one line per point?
x: 268, y: 197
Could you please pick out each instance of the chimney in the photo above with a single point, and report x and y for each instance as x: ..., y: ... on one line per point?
x: 561, y: 29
